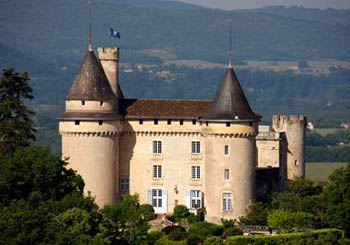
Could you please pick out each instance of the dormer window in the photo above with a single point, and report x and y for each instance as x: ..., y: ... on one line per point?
x: 83, y: 102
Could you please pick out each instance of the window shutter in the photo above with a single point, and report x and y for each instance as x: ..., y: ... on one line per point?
x: 201, y: 196
x: 188, y: 199
x: 165, y: 201
x: 149, y: 196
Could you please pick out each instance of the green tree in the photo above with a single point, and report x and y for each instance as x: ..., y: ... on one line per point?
x: 337, y: 196
x: 16, y: 127
x: 126, y: 220
x: 257, y: 214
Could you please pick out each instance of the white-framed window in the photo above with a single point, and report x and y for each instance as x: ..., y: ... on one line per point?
x: 196, y: 147
x: 124, y: 184
x: 227, y: 150
x: 157, y: 147
x: 157, y: 200
x: 226, y: 201
x: 196, y: 172
x: 226, y: 174
x: 157, y: 171
x: 196, y: 199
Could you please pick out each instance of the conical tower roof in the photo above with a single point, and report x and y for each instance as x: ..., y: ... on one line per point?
x: 230, y: 102
x: 91, y: 82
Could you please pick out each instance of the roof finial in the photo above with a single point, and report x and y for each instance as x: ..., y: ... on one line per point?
x: 230, y: 58
x: 90, y: 34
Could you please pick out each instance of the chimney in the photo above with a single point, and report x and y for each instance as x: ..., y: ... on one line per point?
x: 109, y: 58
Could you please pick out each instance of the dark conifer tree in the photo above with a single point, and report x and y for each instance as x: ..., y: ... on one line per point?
x: 16, y: 126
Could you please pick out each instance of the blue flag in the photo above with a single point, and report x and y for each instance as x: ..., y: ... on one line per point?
x: 114, y: 33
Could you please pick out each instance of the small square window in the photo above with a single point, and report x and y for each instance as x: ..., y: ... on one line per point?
x: 181, y: 122
x: 227, y: 150
x: 141, y: 121
x: 101, y: 103
x: 196, y: 172
x: 228, y: 124
x: 169, y: 121
x: 194, y: 121
x: 100, y: 122
x: 226, y: 174
x: 83, y: 102
x: 196, y: 147
x: 157, y: 147
x: 155, y: 121
x: 157, y: 171
x: 77, y: 122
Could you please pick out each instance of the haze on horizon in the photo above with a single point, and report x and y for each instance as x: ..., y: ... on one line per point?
x: 249, y: 4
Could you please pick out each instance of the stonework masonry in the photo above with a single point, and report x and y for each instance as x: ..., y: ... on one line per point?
x: 201, y: 163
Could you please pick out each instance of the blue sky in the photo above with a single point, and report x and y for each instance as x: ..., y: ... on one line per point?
x: 246, y: 4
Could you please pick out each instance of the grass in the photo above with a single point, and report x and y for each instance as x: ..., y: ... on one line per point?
x: 325, y: 131
x: 321, y: 170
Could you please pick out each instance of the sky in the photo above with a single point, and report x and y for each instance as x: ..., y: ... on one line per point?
x: 247, y: 4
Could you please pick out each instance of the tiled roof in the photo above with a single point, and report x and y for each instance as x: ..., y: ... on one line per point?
x: 164, y: 109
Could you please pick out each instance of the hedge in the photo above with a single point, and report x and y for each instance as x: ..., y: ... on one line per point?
x: 324, y: 236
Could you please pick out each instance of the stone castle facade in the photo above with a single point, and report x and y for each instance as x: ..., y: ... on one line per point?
x: 198, y: 153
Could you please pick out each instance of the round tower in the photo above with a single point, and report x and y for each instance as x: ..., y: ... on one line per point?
x: 229, y: 129
x: 90, y: 128
x: 294, y: 128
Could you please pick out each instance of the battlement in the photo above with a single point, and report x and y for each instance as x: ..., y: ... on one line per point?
x: 108, y: 53
x: 278, y: 121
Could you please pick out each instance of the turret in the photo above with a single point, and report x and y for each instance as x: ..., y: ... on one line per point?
x: 229, y: 128
x: 294, y: 128
x: 90, y: 128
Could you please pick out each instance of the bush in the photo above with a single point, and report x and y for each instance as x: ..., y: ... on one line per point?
x: 286, y: 220
x: 165, y: 241
x: 177, y: 234
x: 213, y: 240
x: 154, y: 236
x: 192, y: 218
x: 232, y: 231
x: 257, y: 215
x: 324, y: 236
x: 180, y: 212
x: 171, y: 228
x: 147, y: 211
x: 205, y: 229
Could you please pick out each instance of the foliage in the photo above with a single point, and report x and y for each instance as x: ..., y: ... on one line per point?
x: 213, y: 240
x: 171, y: 228
x: 147, y: 211
x: 42, y: 202
x: 337, y: 196
x: 165, y: 241
x: 153, y: 237
x: 325, y: 236
x: 327, y: 154
x: 16, y: 126
x: 232, y: 231
x: 257, y: 214
x: 126, y: 220
x: 204, y: 229
x: 180, y: 212
x: 285, y: 221
x: 177, y: 234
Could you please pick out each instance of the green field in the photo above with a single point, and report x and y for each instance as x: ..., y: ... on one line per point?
x: 325, y: 131
x: 321, y: 170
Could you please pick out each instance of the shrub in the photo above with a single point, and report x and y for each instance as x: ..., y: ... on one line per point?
x: 232, y: 231
x: 177, y: 234
x: 257, y: 215
x: 281, y: 220
x: 180, y: 211
x: 171, y: 228
x: 324, y: 236
x: 213, y: 240
x: 147, y: 211
x: 154, y: 236
x: 165, y: 241
x: 193, y: 239
x: 205, y: 229
x: 303, y: 220
x: 192, y: 218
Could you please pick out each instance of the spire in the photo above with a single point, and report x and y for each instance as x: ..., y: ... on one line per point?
x: 230, y: 102
x: 230, y: 53
x: 90, y: 48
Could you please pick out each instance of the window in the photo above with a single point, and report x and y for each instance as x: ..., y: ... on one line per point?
x: 226, y: 202
x: 77, y: 122
x: 124, y: 184
x: 140, y: 121
x: 157, y: 147
x: 196, y: 172
x: 100, y: 122
x: 194, y: 121
x: 157, y: 171
x: 83, y: 102
x: 226, y: 174
x: 196, y: 147
x: 228, y: 124
x: 157, y: 198
x: 155, y: 121
x: 169, y: 121
x: 227, y: 150
x: 196, y: 199
x: 101, y: 103
x: 181, y: 122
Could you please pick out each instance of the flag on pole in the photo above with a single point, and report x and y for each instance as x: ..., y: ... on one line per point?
x: 114, y: 33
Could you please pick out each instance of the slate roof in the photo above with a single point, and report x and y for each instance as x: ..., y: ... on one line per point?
x: 91, y: 82
x: 230, y: 102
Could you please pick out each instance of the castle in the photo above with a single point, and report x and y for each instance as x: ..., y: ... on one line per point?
x: 198, y: 153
